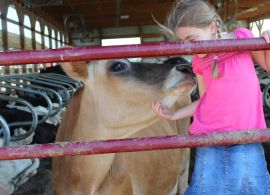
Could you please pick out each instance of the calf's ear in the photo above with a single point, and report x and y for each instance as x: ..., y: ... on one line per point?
x: 76, y: 70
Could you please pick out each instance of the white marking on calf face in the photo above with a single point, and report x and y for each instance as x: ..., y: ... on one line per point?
x: 177, y: 84
x: 91, y: 73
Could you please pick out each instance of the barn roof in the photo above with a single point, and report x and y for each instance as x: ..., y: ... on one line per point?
x: 119, y: 13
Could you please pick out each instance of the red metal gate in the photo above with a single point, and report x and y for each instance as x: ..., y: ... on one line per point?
x: 133, y: 144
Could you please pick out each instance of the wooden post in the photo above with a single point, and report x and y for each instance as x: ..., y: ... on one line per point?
x: 21, y: 14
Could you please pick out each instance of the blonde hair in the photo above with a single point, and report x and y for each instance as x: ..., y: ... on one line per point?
x: 193, y: 13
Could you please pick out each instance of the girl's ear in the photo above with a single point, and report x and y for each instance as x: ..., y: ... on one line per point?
x: 76, y: 70
x: 213, y: 27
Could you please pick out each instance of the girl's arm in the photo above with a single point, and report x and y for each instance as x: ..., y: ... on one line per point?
x: 263, y: 57
x: 201, y: 85
x: 183, y: 112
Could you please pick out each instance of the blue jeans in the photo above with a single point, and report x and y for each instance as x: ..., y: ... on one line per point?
x: 230, y: 170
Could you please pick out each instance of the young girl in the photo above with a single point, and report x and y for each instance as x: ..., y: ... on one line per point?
x: 230, y: 100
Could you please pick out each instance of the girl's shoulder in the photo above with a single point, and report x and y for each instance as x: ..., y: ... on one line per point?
x: 199, y: 63
x: 242, y: 33
x: 238, y: 33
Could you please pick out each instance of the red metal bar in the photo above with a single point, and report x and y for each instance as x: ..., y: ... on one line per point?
x: 130, y: 51
x: 132, y: 145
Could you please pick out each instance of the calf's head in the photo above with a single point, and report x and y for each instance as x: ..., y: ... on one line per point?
x: 122, y: 92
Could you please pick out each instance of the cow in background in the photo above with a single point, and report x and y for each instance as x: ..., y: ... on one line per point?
x: 116, y: 103
x: 13, y: 173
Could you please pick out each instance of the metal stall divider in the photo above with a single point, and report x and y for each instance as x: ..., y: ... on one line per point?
x: 5, y: 130
x: 33, y: 124
x: 49, y: 86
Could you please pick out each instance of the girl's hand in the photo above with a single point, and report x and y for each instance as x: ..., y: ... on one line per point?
x: 163, y: 110
x: 266, y: 36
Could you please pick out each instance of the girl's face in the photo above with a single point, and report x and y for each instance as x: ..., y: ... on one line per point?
x: 197, y: 33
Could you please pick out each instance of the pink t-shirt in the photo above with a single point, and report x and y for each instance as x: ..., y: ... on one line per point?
x: 234, y: 100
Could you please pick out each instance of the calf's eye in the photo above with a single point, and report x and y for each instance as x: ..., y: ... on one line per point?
x: 118, y: 67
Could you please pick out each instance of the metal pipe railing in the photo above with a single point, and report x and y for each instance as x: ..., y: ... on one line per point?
x: 130, y: 51
x: 132, y: 144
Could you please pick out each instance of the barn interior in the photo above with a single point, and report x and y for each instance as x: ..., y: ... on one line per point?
x: 88, y: 22
x: 83, y: 22
x: 52, y: 24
